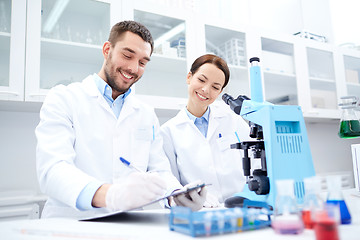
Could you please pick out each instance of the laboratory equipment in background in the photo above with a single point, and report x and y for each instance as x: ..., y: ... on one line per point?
x: 287, y: 218
x: 349, y: 122
x: 280, y: 144
x: 220, y: 221
x: 335, y: 197
x: 180, y: 45
x: 312, y: 201
x: 306, y: 34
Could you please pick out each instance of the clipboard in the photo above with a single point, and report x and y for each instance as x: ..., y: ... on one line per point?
x: 175, y: 193
x: 186, y: 191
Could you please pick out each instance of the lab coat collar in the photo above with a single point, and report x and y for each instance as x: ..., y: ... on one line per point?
x: 90, y: 86
x: 216, y: 113
x: 130, y: 104
x: 92, y: 89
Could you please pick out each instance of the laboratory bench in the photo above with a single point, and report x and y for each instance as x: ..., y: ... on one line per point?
x: 153, y: 224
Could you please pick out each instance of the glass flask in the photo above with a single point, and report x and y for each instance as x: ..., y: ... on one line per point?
x: 349, y: 122
x: 286, y: 219
x: 312, y: 201
x: 335, y: 197
x: 326, y: 221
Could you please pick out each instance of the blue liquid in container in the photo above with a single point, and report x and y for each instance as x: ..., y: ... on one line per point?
x: 344, y: 211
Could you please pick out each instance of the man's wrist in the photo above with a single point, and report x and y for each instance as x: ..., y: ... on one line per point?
x: 99, y: 199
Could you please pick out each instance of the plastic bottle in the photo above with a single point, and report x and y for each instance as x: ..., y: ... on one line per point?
x: 336, y: 197
x: 312, y: 201
x: 287, y: 219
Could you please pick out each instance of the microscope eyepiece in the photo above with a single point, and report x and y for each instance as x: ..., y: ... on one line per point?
x: 235, y: 104
x: 254, y: 59
x: 226, y: 97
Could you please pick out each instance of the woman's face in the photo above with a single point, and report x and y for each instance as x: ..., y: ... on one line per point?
x: 205, y: 85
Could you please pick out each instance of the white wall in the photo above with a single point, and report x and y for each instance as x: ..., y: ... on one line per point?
x: 283, y: 16
x: 330, y: 153
x: 345, y: 17
x: 17, y: 151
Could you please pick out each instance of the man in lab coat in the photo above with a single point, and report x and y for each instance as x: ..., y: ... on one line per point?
x: 86, y: 127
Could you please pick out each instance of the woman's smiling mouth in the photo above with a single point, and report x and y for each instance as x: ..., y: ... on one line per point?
x: 201, y: 96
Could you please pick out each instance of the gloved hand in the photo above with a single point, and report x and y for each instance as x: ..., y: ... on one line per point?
x: 211, y: 201
x: 194, y: 199
x: 136, y: 190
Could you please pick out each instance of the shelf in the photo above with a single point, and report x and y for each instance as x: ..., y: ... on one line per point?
x: 319, y: 115
x: 355, y: 85
x: 5, y: 34
x: 281, y: 75
x: 157, y: 24
x: 227, y: 44
x: 218, y: 36
x: 4, y: 42
x: 353, y: 89
x: 320, y: 64
x: 322, y: 84
x: 71, y: 51
x: 81, y: 20
x: 167, y: 64
x: 352, y: 63
x: 277, y: 46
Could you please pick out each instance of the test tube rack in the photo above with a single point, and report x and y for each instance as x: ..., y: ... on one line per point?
x: 221, y: 221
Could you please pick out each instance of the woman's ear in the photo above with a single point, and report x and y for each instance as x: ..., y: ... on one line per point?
x: 188, y: 77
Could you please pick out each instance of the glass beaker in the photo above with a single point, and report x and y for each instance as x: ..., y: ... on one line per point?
x: 349, y: 122
x: 287, y: 219
x: 335, y: 197
x: 326, y: 221
x: 312, y: 201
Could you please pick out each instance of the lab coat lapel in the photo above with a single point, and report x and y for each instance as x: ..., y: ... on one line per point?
x: 91, y: 89
x: 129, y: 107
x: 214, y: 120
x: 183, y: 118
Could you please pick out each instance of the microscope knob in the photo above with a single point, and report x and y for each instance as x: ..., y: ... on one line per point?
x: 264, y: 185
x: 260, y: 185
x: 253, y: 185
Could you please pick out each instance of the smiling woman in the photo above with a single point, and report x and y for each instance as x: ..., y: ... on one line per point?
x: 208, y: 75
x: 197, y: 140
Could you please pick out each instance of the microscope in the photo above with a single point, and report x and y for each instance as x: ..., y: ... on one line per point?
x: 280, y: 143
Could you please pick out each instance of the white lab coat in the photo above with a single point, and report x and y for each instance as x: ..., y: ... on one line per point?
x: 80, y: 140
x: 210, y: 159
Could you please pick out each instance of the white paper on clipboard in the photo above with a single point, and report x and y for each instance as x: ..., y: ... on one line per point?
x: 175, y: 193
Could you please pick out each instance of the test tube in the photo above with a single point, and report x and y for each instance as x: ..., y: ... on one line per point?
x: 230, y: 216
x: 207, y: 223
x: 239, y: 218
x: 220, y: 221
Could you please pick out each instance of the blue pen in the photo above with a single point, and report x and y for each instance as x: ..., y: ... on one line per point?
x: 220, y: 135
x: 127, y: 163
